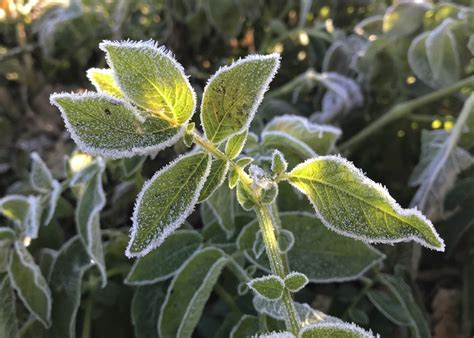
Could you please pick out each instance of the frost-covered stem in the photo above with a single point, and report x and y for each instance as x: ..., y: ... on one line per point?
x: 277, y: 265
x: 277, y: 227
x: 401, y: 110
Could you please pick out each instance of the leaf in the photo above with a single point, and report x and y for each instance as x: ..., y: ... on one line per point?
x: 24, y: 211
x: 441, y: 160
x: 403, y: 18
x: 270, y: 287
x: 102, y: 125
x: 189, y: 292
x: 30, y: 284
x: 418, y: 59
x: 351, y: 204
x: 294, y: 149
x: 295, y: 281
x: 282, y: 334
x: 225, y: 16
x: 104, y: 82
x: 389, y: 306
x: 52, y: 199
x: 151, y: 77
x: 41, y: 178
x: 234, y: 93
x: 319, y: 138
x: 90, y: 204
x: 322, y: 255
x: 219, y: 169
x: 165, y: 201
x: 166, y: 260
x: 222, y: 205
x: 7, y: 237
x: 146, y: 304
x: 248, y: 326
x: 235, y: 144
x: 8, y: 321
x: 401, y: 291
x: 279, y: 164
x: 66, y: 279
x: 339, y: 330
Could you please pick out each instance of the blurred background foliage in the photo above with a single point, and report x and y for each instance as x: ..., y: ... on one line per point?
x: 345, y: 63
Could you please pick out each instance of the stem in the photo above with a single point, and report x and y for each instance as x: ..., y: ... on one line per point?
x: 401, y: 110
x: 277, y: 265
x: 86, y: 327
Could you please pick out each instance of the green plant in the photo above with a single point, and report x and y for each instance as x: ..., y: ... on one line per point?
x: 145, y: 103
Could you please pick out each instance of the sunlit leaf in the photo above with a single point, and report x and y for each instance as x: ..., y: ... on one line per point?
x: 165, y: 201
x: 189, y: 292
x: 234, y: 93
x: 219, y: 169
x: 101, y: 125
x: 235, y: 144
x: 104, y: 82
x: 151, y: 77
x: 351, y: 204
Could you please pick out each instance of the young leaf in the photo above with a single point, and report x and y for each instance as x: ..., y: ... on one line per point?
x: 30, y: 284
x: 295, y: 281
x: 270, y: 287
x: 286, y: 240
x: 102, y: 125
x: 279, y: 164
x: 24, y: 211
x: 248, y: 326
x: 7, y: 237
x: 322, y: 255
x: 91, y: 202
x: 41, y: 178
x: 441, y: 160
x: 146, y: 304
x: 234, y: 93
x: 351, y: 204
x: 104, y: 82
x: 222, y: 205
x: 165, y: 201
x: 151, y: 77
x: 189, y: 292
x: 8, y: 321
x: 235, y: 144
x: 339, y: 330
x: 219, y: 169
x: 163, y: 262
x: 52, y: 199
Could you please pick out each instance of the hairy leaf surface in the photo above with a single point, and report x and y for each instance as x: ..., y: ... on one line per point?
x: 222, y: 204
x: 248, y: 326
x: 165, y: 201
x: 104, y: 82
x: 270, y: 287
x: 353, y: 205
x: 235, y: 144
x: 219, y: 169
x: 41, y: 178
x: 24, y: 211
x: 339, y: 330
x: 234, y: 93
x: 146, y: 304
x: 8, y: 321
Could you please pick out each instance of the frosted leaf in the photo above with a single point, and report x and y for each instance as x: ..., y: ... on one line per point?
x: 188, y: 293
x: 279, y: 164
x: 295, y: 281
x: 294, y: 149
x: 91, y: 201
x: 322, y: 255
x: 52, y: 199
x: 165, y: 201
x: 104, y: 82
x: 349, y: 203
x: 8, y: 320
x: 41, y: 179
x: 30, y: 284
x: 258, y: 246
x: 286, y: 240
x: 246, y: 327
x: 233, y: 94
x: 339, y: 330
x: 260, y: 177
x: 24, y: 211
x: 219, y: 169
x: 223, y: 207
x: 235, y: 144
x: 151, y: 78
x: 418, y: 59
x: 270, y: 287
x: 275, y: 335
x: 102, y: 125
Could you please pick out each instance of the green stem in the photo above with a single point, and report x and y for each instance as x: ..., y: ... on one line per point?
x: 277, y: 265
x: 86, y: 327
x: 401, y: 110
x: 278, y: 228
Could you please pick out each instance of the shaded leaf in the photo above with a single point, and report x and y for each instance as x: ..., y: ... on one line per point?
x: 389, y: 306
x: 235, y: 144
x: 219, y: 169
x: 8, y: 321
x: 295, y: 281
x: 24, y: 211
x: 41, y: 178
x: 222, y: 205
x: 146, y: 304
x: 270, y: 287
x: 247, y: 326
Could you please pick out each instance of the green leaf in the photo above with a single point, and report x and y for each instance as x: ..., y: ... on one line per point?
x: 7, y: 237
x: 189, y: 292
x: 52, y: 201
x: 248, y: 326
x: 235, y: 144
x: 222, y: 205
x: 244, y: 198
x: 219, y: 169
x: 295, y: 281
x: 270, y: 287
x: 280, y: 334
x: 163, y: 262
x: 322, y: 255
x: 418, y: 59
x: 279, y: 164
x: 353, y: 205
x: 225, y: 16
x: 403, y: 19
x: 165, y: 201
x: 30, y: 284
x: 151, y: 77
x: 286, y: 240
x: 389, y: 306
x: 41, y: 178
x: 65, y: 282
x: 8, y: 321
x: 233, y: 95
x: 91, y: 201
x: 104, y: 82
x: 101, y: 125
x: 146, y: 304
x: 339, y: 330
x: 401, y: 291
x: 24, y: 211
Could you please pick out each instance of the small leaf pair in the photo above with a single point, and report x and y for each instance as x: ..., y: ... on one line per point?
x: 271, y: 287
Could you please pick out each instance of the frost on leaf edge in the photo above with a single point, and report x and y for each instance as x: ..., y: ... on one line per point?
x: 114, y: 154
x: 148, y: 46
x: 251, y: 282
x: 385, y: 195
x: 258, y: 100
x: 167, y: 230
x: 340, y: 325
